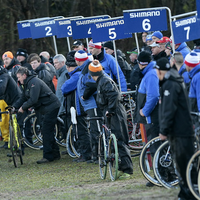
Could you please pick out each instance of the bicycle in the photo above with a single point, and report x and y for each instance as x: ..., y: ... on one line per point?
x: 15, y: 139
x: 193, y: 166
x: 107, y: 150
x: 135, y: 141
x: 33, y: 124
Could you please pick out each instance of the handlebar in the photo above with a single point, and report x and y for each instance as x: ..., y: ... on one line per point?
x: 195, y: 113
x: 95, y: 118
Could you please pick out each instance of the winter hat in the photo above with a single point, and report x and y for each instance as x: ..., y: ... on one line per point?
x: 149, y: 38
x: 77, y: 43
x: 90, y: 57
x: 163, y: 64
x: 144, y: 58
x: 22, y: 52
x: 96, y: 45
x: 192, y: 59
x: 157, y: 34
x: 70, y: 61
x: 109, y: 45
x: 81, y: 56
x: 8, y: 54
x: 95, y: 68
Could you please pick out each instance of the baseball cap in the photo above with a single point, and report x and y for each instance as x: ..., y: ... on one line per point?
x: 134, y: 51
x: 154, y: 44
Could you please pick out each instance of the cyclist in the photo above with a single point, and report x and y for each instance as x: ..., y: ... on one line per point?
x: 9, y: 93
x: 175, y: 121
x: 108, y: 99
x: 38, y: 95
x: 69, y: 90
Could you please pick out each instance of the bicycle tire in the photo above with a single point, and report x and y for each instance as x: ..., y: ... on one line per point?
x: 113, y: 157
x: 68, y: 145
x: 74, y: 140
x: 135, y: 140
x: 193, y: 164
x: 163, y: 167
x: 61, y: 133
x: 28, y: 125
x: 19, y: 138
x: 146, y: 161
x: 102, y: 154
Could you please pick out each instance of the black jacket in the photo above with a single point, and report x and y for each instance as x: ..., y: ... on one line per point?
x: 174, y: 114
x: 38, y: 95
x: 9, y: 90
x: 160, y: 55
x: 43, y: 73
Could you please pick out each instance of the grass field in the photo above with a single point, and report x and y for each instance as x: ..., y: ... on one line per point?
x: 64, y: 179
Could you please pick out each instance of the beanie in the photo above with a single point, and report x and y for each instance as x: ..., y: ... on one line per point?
x: 109, y: 45
x: 192, y: 59
x: 70, y: 61
x: 22, y: 52
x: 95, y: 68
x: 8, y: 54
x: 149, y: 38
x: 81, y: 55
x: 163, y: 64
x: 144, y: 58
x: 95, y: 45
x: 157, y: 34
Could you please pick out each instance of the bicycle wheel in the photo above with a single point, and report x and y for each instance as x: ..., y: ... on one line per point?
x: 193, y: 181
x: 146, y: 160
x: 113, y: 157
x: 74, y: 140
x: 19, y: 138
x: 163, y: 166
x: 28, y: 135
x: 135, y: 140
x: 13, y: 146
x: 61, y: 133
x: 68, y: 145
x: 37, y: 127
x: 102, y: 154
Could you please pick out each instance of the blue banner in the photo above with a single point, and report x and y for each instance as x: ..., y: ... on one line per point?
x: 145, y: 20
x: 24, y: 30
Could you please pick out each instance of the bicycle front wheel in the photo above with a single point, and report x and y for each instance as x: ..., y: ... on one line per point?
x: 146, y: 160
x: 102, y: 154
x: 14, y: 147
x: 163, y: 166
x: 193, y: 168
x: 113, y: 157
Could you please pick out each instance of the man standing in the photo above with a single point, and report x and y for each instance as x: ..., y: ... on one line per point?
x: 59, y: 63
x: 109, y: 64
x: 175, y: 121
x: 38, y: 95
x: 22, y: 56
x: 146, y: 111
x: 157, y: 51
x: 11, y: 64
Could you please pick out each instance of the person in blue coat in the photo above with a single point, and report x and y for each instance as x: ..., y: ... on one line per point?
x: 146, y: 111
x: 109, y: 64
x: 177, y: 62
x: 182, y: 48
x: 87, y: 94
x: 69, y: 90
x: 192, y: 63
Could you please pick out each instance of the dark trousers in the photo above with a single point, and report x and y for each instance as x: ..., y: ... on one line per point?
x: 95, y: 127
x: 50, y: 147
x: 119, y: 128
x: 83, y: 138
x: 182, y: 150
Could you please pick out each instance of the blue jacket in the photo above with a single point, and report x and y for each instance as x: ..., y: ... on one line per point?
x: 150, y: 87
x: 61, y: 75
x: 83, y: 79
x: 69, y: 86
x: 182, y: 71
x: 195, y: 85
x: 109, y: 64
x: 183, y: 48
